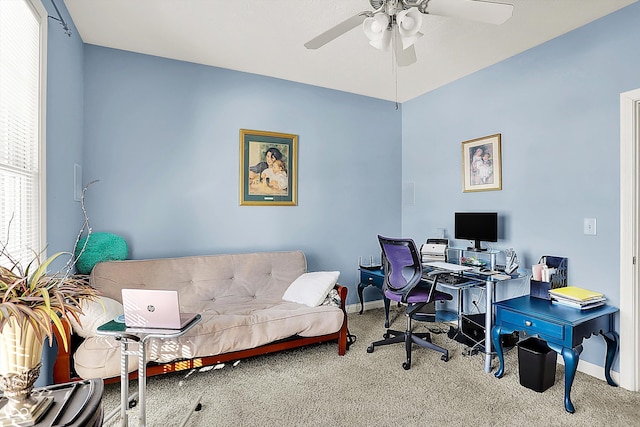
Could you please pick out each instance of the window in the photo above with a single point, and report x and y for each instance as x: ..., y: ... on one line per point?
x: 22, y: 46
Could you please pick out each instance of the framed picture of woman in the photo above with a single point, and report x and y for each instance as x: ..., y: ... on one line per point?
x: 268, y: 168
x: 482, y: 164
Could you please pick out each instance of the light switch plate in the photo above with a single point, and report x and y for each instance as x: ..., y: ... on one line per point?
x: 590, y: 226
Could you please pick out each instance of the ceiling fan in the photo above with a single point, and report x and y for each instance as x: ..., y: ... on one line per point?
x: 397, y: 23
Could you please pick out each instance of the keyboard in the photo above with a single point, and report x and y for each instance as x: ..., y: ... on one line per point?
x: 447, y: 266
x: 452, y: 279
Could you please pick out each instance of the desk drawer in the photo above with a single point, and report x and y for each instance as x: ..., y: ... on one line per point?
x: 371, y: 279
x: 533, y: 325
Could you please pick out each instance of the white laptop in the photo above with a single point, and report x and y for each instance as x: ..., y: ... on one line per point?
x: 153, y: 309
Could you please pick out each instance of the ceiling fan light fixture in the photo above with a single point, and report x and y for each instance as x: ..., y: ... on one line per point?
x: 409, y: 23
x: 383, y: 43
x: 409, y: 41
x: 375, y: 28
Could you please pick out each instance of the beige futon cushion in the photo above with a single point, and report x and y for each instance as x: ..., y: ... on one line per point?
x: 99, y: 357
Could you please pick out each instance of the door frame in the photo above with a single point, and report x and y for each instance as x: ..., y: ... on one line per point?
x: 629, y: 240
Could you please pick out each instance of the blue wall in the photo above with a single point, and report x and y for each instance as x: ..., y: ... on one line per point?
x: 162, y: 138
x: 64, y: 133
x: 557, y: 108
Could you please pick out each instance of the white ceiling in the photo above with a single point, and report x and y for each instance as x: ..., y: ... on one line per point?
x: 266, y: 37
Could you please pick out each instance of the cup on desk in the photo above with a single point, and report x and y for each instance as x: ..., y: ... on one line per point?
x: 547, y: 273
x: 536, y: 269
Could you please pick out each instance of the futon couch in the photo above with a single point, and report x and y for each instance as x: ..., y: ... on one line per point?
x: 251, y: 304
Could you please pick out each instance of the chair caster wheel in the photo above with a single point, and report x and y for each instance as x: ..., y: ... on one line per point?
x: 386, y: 335
x: 198, y: 407
x: 370, y: 349
x: 444, y: 357
x: 406, y: 366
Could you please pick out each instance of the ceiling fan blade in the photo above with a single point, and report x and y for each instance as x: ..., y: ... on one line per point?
x: 405, y: 57
x: 335, y: 32
x: 472, y: 10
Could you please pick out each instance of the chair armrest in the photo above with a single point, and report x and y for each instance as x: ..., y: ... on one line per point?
x: 343, y: 334
x: 342, y: 292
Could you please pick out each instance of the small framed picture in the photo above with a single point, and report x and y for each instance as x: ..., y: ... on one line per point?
x: 268, y: 168
x: 482, y: 164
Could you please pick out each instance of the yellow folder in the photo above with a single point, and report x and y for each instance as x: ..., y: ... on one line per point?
x: 575, y: 293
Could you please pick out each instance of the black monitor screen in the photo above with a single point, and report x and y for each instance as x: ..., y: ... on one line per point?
x: 477, y: 226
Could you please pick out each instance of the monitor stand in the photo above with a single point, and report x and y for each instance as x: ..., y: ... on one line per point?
x: 476, y: 247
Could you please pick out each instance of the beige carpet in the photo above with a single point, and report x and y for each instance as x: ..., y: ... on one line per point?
x: 316, y: 387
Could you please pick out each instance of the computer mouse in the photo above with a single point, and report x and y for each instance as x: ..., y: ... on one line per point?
x: 483, y: 269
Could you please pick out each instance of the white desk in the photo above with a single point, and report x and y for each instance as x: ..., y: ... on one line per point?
x: 139, y: 337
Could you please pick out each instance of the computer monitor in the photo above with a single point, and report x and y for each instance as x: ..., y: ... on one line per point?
x: 476, y: 226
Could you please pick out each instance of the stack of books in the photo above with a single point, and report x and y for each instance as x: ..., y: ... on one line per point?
x: 572, y: 296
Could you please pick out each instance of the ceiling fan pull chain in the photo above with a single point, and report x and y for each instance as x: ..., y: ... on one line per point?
x: 394, y: 65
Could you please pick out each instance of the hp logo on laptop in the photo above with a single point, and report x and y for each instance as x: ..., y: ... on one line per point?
x: 151, y: 308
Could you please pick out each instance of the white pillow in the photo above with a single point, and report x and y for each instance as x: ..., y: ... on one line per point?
x: 311, y: 288
x: 95, y: 314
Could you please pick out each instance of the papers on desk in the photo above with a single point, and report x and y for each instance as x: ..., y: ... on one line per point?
x: 575, y: 293
x: 572, y: 296
x: 577, y: 305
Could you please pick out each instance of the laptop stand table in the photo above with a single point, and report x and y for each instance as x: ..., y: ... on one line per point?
x: 138, y: 337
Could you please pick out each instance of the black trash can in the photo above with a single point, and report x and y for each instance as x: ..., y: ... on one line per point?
x: 536, y: 364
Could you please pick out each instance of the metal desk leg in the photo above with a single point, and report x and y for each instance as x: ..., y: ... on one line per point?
x: 124, y: 382
x: 460, y: 309
x: 142, y: 382
x: 488, y: 321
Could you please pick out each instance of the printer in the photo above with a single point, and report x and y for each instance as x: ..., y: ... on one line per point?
x: 434, y: 250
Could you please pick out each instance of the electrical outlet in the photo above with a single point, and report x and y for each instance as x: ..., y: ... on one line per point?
x: 590, y: 226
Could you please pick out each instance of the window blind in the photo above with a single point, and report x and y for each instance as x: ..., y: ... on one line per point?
x: 20, y: 40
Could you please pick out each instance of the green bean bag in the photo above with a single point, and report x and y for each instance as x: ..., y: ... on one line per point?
x: 99, y: 247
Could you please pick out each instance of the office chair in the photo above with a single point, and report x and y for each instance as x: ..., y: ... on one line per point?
x: 403, y: 283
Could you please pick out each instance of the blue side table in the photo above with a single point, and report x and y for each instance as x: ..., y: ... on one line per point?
x: 373, y: 277
x: 564, y: 329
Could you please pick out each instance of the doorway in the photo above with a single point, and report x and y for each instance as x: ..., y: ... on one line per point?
x: 629, y: 240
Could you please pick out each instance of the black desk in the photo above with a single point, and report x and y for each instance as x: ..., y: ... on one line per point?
x: 564, y: 329
x: 76, y: 404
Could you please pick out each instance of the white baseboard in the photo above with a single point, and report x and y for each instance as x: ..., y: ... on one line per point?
x: 593, y: 370
x: 583, y: 366
x: 368, y: 305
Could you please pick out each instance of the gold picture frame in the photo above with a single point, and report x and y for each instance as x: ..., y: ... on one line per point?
x: 482, y: 164
x: 268, y: 168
